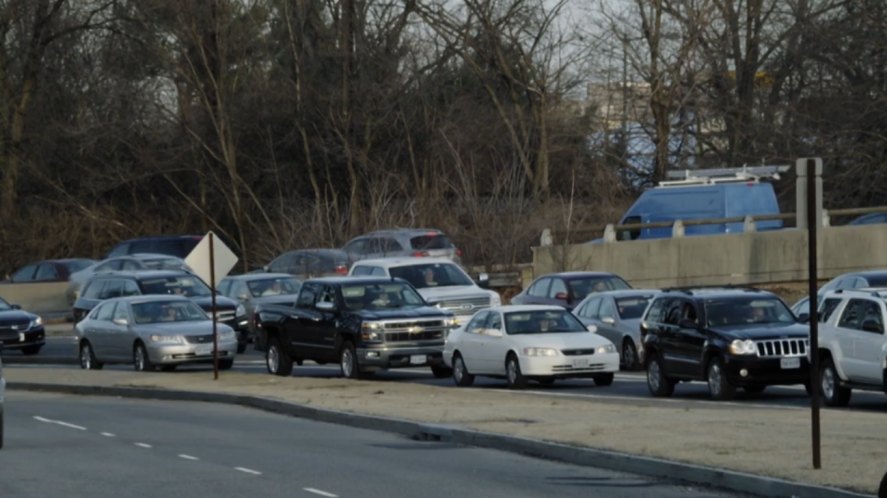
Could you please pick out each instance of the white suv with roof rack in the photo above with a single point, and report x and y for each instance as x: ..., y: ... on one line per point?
x: 440, y: 281
x: 852, y: 343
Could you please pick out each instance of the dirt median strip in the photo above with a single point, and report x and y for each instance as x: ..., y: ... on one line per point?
x: 773, y: 442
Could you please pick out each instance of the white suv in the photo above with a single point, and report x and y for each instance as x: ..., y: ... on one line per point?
x: 852, y: 343
x: 440, y: 281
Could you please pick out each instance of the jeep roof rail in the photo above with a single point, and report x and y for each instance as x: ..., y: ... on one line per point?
x: 723, y: 175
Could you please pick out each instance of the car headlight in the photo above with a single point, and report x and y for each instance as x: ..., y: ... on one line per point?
x: 540, y: 352
x: 371, y: 332
x: 495, y: 299
x: 740, y: 347
x: 36, y: 322
x: 609, y: 348
x: 240, y: 311
x: 167, y: 339
x: 451, y: 322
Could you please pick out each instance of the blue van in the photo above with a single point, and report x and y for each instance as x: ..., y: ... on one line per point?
x: 705, y: 197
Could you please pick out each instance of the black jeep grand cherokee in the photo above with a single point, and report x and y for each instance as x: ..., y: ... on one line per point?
x: 728, y: 337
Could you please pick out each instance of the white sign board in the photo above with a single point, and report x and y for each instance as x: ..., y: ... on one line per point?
x: 199, y: 259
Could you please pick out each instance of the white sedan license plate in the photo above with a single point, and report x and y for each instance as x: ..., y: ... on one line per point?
x: 789, y: 363
x: 580, y: 363
x: 418, y: 359
x: 203, y: 350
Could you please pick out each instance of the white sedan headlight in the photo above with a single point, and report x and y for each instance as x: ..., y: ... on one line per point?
x: 746, y: 347
x: 167, y: 339
x: 227, y: 335
x: 540, y: 352
x: 609, y: 348
x: 495, y: 299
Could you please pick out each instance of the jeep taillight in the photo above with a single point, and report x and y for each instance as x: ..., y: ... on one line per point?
x: 420, y: 254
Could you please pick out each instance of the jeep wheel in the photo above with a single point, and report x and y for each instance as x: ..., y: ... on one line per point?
x: 348, y: 363
x: 659, y: 385
x: 629, y: 355
x: 460, y: 372
x: 516, y: 379
x: 833, y: 393
x: 277, y: 361
x: 718, y: 386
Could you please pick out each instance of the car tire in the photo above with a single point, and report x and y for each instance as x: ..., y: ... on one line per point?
x: 277, y: 361
x: 832, y: 392
x: 226, y: 364
x: 461, y: 376
x: 441, y: 371
x: 604, y: 379
x: 629, y: 355
x: 719, y: 387
x: 87, y: 358
x: 516, y: 379
x: 348, y: 364
x: 658, y: 383
x: 141, y: 362
x: 31, y: 350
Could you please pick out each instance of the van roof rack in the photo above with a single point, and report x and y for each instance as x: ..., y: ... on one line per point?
x: 723, y: 175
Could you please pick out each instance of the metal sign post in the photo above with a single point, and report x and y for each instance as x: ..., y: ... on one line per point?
x: 810, y: 176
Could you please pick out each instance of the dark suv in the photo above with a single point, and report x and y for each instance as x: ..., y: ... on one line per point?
x: 727, y: 337
x: 178, y: 282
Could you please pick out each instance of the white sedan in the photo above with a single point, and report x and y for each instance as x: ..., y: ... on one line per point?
x: 526, y: 342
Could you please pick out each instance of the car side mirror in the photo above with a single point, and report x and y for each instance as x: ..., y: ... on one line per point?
x: 591, y: 328
x: 804, y: 317
x: 687, y: 324
x: 15, y: 306
x: 872, y: 326
x: 325, y: 306
x: 609, y: 320
x: 121, y: 321
x: 266, y: 269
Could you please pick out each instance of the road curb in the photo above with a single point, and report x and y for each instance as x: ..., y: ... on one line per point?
x: 605, y: 459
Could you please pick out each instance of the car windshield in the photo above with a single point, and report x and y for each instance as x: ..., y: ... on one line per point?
x: 431, y: 275
x: 273, y: 286
x: 582, y: 287
x: 632, y: 307
x: 745, y: 311
x: 183, y: 285
x: 542, y: 322
x: 167, y: 311
x: 380, y: 296
x: 164, y: 264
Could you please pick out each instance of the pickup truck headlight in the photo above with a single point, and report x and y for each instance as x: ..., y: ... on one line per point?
x: 371, y: 332
x: 609, y: 348
x: 740, y: 347
x: 167, y: 339
x: 540, y: 352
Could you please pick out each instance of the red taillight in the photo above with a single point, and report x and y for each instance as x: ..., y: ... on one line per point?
x: 420, y: 254
x: 342, y: 270
x: 458, y: 252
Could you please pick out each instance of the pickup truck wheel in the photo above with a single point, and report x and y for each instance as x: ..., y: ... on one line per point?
x: 441, y: 371
x: 277, y: 361
x: 516, y: 379
x: 460, y: 372
x: 718, y: 385
x: 833, y: 393
x: 348, y: 361
x: 659, y: 385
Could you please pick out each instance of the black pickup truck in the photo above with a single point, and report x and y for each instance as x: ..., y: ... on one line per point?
x: 364, y: 323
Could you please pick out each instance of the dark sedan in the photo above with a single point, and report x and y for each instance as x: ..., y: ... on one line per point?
x: 20, y: 329
x: 567, y: 289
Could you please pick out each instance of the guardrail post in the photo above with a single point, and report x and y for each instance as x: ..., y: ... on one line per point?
x: 610, y: 233
x: 749, y: 225
x: 677, y: 230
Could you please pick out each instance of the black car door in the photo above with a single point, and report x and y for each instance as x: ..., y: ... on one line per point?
x: 689, y: 341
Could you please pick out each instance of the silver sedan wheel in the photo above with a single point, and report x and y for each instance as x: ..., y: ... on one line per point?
x: 85, y: 357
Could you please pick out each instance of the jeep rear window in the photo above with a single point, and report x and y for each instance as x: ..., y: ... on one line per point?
x: 431, y: 241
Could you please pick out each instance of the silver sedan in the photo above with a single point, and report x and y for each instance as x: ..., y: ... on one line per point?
x: 152, y: 331
x: 617, y: 315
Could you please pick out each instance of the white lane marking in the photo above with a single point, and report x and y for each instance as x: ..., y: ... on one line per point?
x: 248, y: 471
x: 59, y: 422
x: 188, y: 457
x: 320, y: 492
x: 143, y: 445
x: 108, y: 434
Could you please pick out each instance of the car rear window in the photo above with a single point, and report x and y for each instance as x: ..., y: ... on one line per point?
x: 431, y: 241
x: 632, y: 307
x: 582, y: 287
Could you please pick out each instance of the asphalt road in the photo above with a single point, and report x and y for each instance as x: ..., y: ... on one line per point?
x: 62, y: 351
x: 62, y: 445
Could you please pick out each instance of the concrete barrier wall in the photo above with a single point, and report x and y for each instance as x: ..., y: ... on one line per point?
x: 741, y: 259
x: 43, y: 298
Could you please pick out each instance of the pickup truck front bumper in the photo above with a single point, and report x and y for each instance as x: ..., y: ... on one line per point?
x: 400, y: 357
